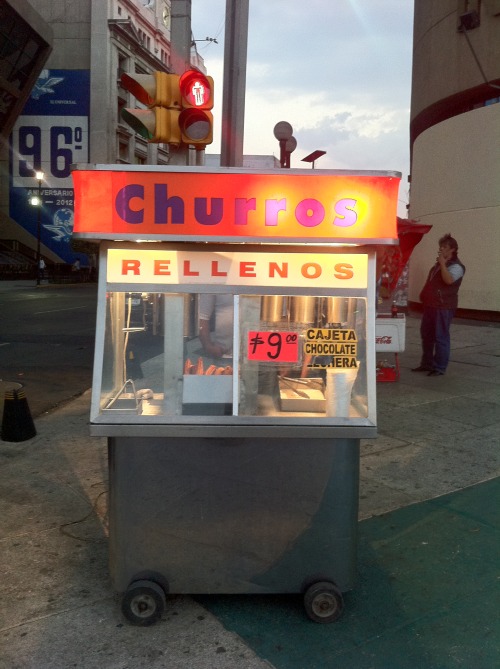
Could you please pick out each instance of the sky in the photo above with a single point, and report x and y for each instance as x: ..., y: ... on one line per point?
x: 339, y: 71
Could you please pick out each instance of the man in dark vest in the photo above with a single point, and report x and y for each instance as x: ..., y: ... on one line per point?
x: 439, y: 297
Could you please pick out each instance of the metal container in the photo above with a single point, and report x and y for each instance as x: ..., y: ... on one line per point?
x: 272, y: 310
x: 303, y: 309
x: 335, y: 310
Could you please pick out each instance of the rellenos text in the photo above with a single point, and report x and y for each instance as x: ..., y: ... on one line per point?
x: 216, y: 268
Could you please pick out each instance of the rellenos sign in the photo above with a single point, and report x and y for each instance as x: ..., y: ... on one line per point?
x: 198, y: 205
x: 229, y: 268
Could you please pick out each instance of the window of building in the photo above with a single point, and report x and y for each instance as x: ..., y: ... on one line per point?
x: 121, y: 103
x: 122, y: 64
x: 165, y: 57
x: 162, y: 156
x: 123, y: 151
x: 21, y: 48
x: 469, y: 14
x: 469, y: 6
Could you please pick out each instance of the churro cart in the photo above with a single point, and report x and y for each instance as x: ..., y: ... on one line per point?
x: 234, y: 375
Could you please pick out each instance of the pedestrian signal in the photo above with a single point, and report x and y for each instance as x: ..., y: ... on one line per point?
x: 197, y: 98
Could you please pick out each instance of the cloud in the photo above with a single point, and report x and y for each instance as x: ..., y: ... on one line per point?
x: 339, y: 72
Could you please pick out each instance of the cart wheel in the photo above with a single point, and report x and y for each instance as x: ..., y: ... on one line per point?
x: 323, y: 602
x: 143, y: 603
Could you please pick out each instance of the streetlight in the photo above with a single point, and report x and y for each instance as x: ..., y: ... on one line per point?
x: 36, y: 201
x: 313, y: 157
x: 283, y: 132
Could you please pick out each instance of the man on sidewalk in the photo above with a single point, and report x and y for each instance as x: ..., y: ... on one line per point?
x: 439, y: 297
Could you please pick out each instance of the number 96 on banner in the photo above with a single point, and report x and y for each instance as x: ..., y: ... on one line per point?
x: 272, y: 346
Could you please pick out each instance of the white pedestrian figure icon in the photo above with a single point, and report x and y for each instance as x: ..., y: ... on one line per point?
x: 198, y: 91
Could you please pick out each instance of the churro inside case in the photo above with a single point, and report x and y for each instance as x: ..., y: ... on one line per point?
x: 207, y: 384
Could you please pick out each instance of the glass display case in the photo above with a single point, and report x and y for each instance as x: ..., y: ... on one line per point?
x: 240, y: 347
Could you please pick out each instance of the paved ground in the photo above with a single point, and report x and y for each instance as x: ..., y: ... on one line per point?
x: 429, y: 531
x: 47, y: 336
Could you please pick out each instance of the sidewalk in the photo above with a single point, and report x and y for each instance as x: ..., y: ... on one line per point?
x: 6, y: 286
x: 426, y: 592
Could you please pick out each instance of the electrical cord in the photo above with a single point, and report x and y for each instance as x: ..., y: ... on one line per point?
x: 82, y: 520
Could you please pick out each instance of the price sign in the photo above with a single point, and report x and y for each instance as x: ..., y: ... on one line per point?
x: 272, y: 346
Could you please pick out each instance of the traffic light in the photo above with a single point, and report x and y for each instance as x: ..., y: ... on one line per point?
x: 177, y: 107
x: 197, y: 98
x: 160, y: 92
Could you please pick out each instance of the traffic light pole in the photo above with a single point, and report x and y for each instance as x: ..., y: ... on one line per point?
x: 233, y: 97
x: 178, y: 155
x: 180, y: 40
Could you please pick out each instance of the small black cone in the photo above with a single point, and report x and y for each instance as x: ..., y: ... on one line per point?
x: 17, y: 423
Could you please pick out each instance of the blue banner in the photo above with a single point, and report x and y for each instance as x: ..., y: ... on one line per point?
x: 50, y: 135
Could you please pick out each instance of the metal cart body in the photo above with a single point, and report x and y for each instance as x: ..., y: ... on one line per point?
x: 233, y: 515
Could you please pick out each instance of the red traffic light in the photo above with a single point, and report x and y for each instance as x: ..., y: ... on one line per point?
x: 197, y: 90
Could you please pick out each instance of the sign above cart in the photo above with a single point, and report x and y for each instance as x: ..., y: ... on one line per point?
x: 233, y: 205
x: 136, y: 265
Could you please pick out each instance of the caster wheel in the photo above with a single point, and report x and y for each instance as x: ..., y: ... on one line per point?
x: 143, y: 603
x: 323, y: 602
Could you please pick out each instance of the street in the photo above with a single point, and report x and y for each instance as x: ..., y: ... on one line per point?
x: 47, y: 341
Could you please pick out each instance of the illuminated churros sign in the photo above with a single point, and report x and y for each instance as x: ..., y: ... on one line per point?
x: 195, y: 204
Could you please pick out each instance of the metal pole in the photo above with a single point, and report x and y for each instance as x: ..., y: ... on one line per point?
x: 180, y: 41
x: 38, y: 231
x: 38, y: 248
x: 282, y: 152
x: 180, y: 35
x: 233, y: 97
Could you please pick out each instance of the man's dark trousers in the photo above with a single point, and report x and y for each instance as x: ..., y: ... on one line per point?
x: 435, y: 332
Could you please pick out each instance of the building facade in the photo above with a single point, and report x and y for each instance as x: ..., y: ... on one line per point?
x: 455, y: 139
x: 25, y: 44
x: 73, y: 113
